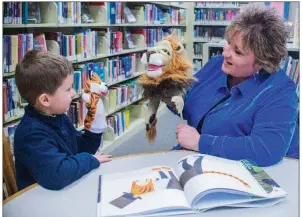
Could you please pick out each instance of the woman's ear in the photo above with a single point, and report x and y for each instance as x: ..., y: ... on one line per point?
x: 257, y: 67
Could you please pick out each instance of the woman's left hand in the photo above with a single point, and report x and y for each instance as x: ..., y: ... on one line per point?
x: 187, y: 137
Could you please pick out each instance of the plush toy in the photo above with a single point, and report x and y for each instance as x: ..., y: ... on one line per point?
x: 95, y: 120
x: 168, y: 77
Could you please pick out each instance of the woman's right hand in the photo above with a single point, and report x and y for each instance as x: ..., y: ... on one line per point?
x: 102, y: 158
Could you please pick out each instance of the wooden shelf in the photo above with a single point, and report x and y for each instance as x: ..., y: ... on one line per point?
x: 135, y: 75
x: 12, y: 119
x: 83, y: 25
x: 208, y: 40
x: 8, y: 74
x: 101, y: 56
x: 170, y: 4
x: 120, y: 108
x: 212, y: 23
x: 220, y: 6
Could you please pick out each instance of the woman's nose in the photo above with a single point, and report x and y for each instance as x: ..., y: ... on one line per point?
x: 226, y: 52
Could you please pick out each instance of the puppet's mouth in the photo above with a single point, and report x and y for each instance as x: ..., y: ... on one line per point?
x: 152, y: 67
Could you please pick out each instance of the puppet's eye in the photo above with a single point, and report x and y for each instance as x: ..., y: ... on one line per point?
x: 166, y: 51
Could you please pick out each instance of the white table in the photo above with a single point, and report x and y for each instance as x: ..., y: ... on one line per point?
x: 79, y: 199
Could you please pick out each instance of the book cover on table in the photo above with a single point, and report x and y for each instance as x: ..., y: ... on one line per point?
x: 197, y: 183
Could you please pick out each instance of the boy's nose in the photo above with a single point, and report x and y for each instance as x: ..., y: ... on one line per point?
x: 73, y: 93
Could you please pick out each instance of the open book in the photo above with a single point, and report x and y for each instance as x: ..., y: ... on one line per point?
x: 196, y: 184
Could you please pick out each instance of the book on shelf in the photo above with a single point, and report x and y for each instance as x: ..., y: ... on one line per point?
x: 197, y: 183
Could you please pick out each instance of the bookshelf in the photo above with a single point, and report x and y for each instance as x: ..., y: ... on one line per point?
x: 52, y: 21
x: 219, y: 46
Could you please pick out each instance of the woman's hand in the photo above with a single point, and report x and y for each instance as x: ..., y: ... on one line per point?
x: 187, y: 137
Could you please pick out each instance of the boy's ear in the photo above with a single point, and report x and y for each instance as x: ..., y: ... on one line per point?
x: 44, y: 99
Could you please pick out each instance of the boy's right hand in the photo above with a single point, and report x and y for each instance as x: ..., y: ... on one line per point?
x: 101, y: 157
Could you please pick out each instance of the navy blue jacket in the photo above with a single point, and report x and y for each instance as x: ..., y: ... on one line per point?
x: 49, y: 151
x: 258, y: 122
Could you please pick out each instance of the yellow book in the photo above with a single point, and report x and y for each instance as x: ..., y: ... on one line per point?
x: 112, y: 99
x: 127, y: 118
x: 79, y: 43
x: 14, y: 53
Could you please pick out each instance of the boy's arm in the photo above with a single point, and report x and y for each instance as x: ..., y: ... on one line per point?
x: 51, y: 168
x: 88, y: 141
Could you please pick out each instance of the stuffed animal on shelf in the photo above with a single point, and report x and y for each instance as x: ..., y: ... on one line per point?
x: 95, y: 120
x: 167, y: 78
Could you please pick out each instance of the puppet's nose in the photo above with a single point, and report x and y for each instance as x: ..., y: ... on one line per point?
x: 148, y: 54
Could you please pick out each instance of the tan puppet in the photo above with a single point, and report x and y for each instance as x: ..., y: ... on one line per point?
x: 168, y: 77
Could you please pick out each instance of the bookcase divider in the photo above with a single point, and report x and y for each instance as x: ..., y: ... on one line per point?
x: 99, y: 14
x: 49, y: 12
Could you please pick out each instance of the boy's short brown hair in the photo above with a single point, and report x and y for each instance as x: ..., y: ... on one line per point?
x: 41, y: 72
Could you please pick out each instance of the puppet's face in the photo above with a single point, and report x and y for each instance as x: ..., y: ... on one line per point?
x: 159, y: 56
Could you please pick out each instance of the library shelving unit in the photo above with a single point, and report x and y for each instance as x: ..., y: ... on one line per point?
x: 51, y: 22
x: 211, y: 48
x: 208, y: 19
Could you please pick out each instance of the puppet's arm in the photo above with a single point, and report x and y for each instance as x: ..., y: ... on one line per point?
x: 151, y: 120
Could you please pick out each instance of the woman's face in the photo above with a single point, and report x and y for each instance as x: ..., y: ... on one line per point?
x: 238, y: 62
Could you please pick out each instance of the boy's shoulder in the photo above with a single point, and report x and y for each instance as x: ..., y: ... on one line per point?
x: 31, y: 126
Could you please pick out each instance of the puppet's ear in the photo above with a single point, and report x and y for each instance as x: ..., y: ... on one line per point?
x: 180, y: 48
x: 174, y: 34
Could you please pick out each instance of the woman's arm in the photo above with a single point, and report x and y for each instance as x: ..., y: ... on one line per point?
x: 270, y: 137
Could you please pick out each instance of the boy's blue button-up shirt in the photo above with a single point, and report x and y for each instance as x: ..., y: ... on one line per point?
x: 257, y: 122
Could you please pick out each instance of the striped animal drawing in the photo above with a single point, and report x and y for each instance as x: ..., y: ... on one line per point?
x: 196, y: 169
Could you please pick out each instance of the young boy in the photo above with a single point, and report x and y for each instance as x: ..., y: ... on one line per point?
x: 48, y: 150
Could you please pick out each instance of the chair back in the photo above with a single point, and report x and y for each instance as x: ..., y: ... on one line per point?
x: 9, y: 171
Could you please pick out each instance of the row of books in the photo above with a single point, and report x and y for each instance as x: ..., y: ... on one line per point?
x: 119, y: 121
x: 15, y: 47
x: 118, y: 69
x: 207, y: 14
x: 13, y: 12
x: 155, y: 15
x: 291, y: 67
x: 69, y: 12
x: 9, y: 133
x: 11, y: 99
x: 208, y: 32
x: 197, y: 49
x: 122, y: 94
x: 76, y: 113
x: 217, y: 4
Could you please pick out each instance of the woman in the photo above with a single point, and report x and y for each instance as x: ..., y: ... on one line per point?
x: 243, y: 106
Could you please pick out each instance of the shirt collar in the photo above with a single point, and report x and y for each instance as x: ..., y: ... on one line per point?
x: 246, y: 87
x: 54, y: 120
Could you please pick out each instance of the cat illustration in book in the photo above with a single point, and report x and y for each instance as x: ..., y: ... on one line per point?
x: 191, y: 171
x: 163, y: 179
x: 167, y: 79
x: 95, y: 120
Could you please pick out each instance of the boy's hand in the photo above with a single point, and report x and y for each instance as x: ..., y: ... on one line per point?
x: 101, y: 157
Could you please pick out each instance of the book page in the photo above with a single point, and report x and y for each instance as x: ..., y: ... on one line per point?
x: 144, y: 191
x: 200, y: 175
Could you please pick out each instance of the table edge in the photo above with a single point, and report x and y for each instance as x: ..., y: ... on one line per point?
x: 114, y: 158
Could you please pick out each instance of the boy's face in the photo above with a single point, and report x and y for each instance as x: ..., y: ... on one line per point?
x: 61, y: 99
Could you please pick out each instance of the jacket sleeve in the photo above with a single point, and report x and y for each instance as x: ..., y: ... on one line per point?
x: 269, y: 139
x: 51, y: 168
x: 88, y: 141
